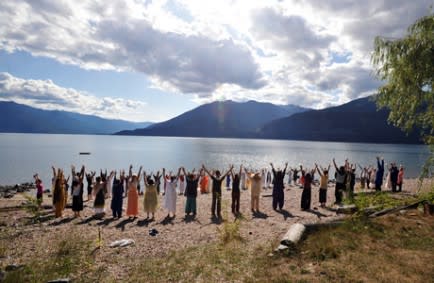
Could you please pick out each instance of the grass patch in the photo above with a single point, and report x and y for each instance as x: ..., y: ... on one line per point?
x: 380, y: 200
x: 394, y: 248
x: 68, y: 257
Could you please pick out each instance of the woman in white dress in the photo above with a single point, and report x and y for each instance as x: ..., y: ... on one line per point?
x: 170, y: 195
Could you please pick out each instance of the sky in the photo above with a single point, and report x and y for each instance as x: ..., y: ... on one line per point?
x: 145, y: 60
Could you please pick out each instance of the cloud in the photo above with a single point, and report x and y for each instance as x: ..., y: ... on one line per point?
x: 109, y: 37
x: 45, y: 94
x: 275, y: 51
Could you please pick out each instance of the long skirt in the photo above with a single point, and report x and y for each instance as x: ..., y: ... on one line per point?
x: 133, y: 202
x: 77, y: 203
x: 99, y: 202
x: 278, y: 198
x: 58, y: 202
x: 150, y: 202
x: 190, y: 205
x: 305, y: 198
x: 322, y: 195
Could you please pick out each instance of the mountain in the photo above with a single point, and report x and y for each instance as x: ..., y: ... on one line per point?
x: 356, y: 121
x: 219, y: 119
x: 18, y: 118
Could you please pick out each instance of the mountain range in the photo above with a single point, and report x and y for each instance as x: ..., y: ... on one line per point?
x: 226, y: 119
x: 356, y: 121
x: 18, y: 118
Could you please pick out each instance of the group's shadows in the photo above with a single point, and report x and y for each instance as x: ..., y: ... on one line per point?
x: 121, y: 225
x: 145, y: 222
x: 89, y: 219
x: 106, y: 221
x: 285, y: 213
x: 61, y: 221
x: 190, y: 218
x: 46, y: 216
x: 167, y: 220
x: 259, y: 214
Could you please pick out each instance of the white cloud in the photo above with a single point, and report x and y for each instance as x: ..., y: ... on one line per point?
x: 276, y: 51
x: 44, y: 94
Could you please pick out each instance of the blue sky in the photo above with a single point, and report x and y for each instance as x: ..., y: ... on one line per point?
x: 153, y: 60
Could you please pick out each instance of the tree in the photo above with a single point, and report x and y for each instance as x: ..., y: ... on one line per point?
x: 407, y: 67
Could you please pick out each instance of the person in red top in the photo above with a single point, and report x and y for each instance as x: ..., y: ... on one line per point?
x: 39, y: 189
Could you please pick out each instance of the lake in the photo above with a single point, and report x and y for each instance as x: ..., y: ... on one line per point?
x: 22, y: 155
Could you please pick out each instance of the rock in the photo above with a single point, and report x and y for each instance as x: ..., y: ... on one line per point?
x: 122, y: 243
x: 61, y: 280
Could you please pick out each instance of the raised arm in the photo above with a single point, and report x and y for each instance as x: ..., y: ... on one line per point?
x: 82, y: 172
x: 334, y: 163
x: 206, y: 170
x: 272, y: 168
x: 232, y: 174
x: 179, y: 173
x: 130, y: 172
x: 140, y: 173
x: 145, y: 178
x: 227, y: 172
x: 286, y: 167
x: 317, y: 169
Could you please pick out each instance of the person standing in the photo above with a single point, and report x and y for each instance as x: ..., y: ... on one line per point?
x: 217, y: 179
x: 340, y: 177
x: 181, y: 184
x: 77, y: 191
x: 150, y: 199
x: 39, y: 189
x: 117, y: 195
x: 394, y: 176
x: 379, y: 175
x: 170, y: 195
x: 278, y: 187
x: 255, y: 189
x: 89, y: 179
x: 203, y: 183
x: 190, y: 193
x: 133, y: 193
x: 58, y: 192
x: 324, y: 179
x: 99, y: 194
x: 236, y: 191
x: 400, y: 179
x: 307, y: 190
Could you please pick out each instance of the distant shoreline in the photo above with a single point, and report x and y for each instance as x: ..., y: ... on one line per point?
x: 211, y: 137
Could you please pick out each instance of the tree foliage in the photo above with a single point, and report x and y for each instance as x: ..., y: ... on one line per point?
x: 407, y: 67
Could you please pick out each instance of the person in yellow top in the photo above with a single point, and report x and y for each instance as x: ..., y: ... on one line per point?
x: 255, y: 189
x: 150, y: 200
x: 58, y: 192
x: 324, y: 174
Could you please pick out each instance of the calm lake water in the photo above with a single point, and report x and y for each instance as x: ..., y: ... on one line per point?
x: 22, y: 155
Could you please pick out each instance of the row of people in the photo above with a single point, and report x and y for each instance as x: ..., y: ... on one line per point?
x: 128, y: 186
